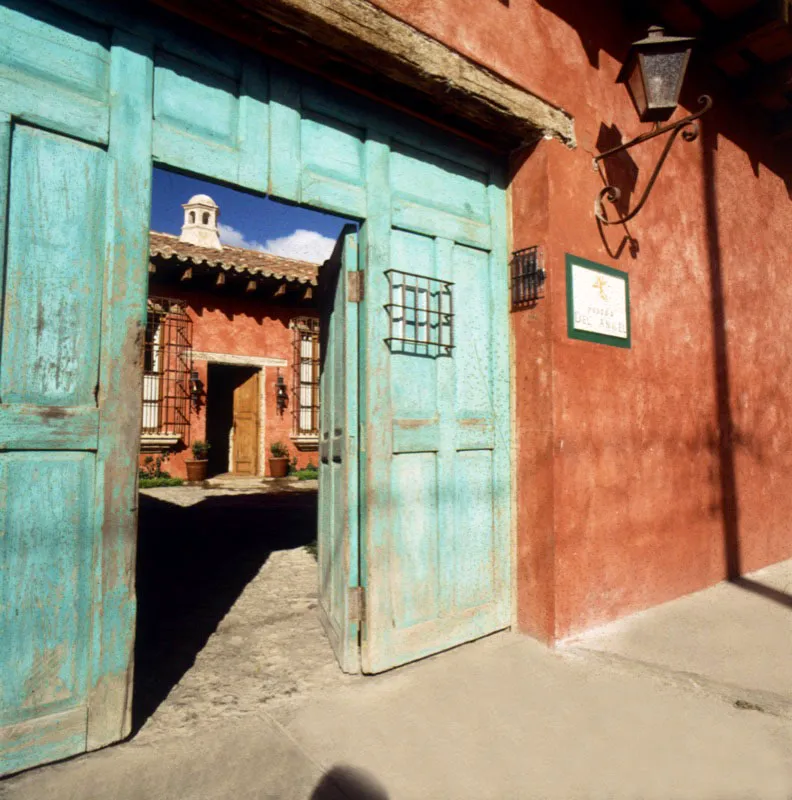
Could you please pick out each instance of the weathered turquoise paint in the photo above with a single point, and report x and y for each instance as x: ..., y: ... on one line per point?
x: 90, y: 97
x: 75, y: 167
x: 338, y: 535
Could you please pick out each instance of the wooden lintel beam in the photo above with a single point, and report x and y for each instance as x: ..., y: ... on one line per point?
x: 341, y: 39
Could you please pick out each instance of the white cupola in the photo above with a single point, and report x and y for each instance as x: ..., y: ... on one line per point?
x: 200, y: 222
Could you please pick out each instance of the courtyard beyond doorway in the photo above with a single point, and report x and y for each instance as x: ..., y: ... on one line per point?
x: 227, y: 618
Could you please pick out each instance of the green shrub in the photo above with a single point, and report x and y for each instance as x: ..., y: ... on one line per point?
x: 309, y: 472
x: 200, y: 450
x: 279, y: 450
x: 153, y: 483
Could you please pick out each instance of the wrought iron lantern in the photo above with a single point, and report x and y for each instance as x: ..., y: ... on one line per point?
x: 196, y: 389
x: 281, y: 395
x: 653, y: 73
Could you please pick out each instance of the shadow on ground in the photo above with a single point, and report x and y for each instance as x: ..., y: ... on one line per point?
x: 193, y: 563
x: 348, y: 783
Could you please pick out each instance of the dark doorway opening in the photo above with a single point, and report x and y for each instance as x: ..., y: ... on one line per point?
x: 225, y: 430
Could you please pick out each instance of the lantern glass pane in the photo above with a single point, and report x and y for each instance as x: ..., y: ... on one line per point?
x: 636, y: 88
x: 663, y: 72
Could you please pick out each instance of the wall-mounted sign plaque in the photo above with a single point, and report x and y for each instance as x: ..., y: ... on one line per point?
x: 598, y: 302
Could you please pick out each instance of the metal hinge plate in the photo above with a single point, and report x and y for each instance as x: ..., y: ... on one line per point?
x: 357, y: 604
x: 355, y: 285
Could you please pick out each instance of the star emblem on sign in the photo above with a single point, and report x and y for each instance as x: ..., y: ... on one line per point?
x: 600, y: 285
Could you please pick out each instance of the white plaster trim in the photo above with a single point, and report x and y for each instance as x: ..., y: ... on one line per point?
x: 242, y: 361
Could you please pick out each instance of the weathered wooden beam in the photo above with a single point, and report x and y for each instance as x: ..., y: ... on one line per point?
x: 342, y: 39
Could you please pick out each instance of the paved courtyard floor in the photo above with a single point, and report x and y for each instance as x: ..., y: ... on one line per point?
x: 238, y: 694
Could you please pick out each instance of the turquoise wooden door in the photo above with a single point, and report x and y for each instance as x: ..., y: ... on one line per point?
x: 90, y: 95
x: 75, y: 130
x: 338, y: 454
x: 435, y: 475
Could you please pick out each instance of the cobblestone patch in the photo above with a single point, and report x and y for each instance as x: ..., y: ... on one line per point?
x: 267, y: 644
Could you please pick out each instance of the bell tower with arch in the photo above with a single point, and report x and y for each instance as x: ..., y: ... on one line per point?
x: 200, y: 222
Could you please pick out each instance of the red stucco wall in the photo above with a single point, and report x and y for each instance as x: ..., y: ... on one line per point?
x: 647, y: 473
x: 242, y: 326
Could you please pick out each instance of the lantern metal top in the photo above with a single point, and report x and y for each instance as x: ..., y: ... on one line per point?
x: 655, y: 39
x: 653, y: 72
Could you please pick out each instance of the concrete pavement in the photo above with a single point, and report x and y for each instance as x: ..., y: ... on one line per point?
x: 735, y: 636
x: 500, y: 718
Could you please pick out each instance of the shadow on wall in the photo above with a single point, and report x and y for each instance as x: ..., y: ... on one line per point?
x: 193, y: 563
x: 730, y: 508
x: 611, y: 27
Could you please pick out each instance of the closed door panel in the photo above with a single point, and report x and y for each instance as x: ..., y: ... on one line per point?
x: 246, y: 425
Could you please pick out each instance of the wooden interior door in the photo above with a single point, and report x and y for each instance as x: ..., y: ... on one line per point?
x: 246, y: 425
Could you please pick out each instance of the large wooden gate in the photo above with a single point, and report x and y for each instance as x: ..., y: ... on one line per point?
x: 90, y: 98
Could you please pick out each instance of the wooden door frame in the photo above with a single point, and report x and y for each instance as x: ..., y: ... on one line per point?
x: 260, y: 363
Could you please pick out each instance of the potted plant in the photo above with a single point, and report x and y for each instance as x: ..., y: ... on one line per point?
x: 279, y: 462
x: 196, y: 470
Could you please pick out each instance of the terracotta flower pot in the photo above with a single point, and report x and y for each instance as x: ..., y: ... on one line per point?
x: 278, y: 467
x: 196, y: 470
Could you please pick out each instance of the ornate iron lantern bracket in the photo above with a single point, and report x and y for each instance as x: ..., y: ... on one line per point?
x: 687, y: 126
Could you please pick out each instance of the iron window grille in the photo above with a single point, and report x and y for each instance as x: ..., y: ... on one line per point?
x: 305, y: 379
x: 167, y: 363
x: 527, y: 277
x: 421, y: 312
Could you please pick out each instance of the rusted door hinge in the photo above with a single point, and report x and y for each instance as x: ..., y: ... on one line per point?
x: 355, y: 285
x: 357, y: 604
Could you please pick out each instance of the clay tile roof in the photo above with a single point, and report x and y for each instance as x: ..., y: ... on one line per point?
x: 236, y: 259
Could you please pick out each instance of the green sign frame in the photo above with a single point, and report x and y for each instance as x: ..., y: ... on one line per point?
x: 590, y: 336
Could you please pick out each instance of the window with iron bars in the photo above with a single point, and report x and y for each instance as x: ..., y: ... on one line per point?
x: 167, y: 363
x: 305, y: 383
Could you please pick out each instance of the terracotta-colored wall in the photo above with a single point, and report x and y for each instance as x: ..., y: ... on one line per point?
x: 243, y: 326
x: 647, y: 473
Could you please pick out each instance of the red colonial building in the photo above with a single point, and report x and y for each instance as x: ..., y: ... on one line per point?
x: 231, y: 351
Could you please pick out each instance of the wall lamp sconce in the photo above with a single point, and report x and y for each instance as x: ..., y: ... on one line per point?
x: 196, y: 390
x: 281, y: 395
x: 653, y: 72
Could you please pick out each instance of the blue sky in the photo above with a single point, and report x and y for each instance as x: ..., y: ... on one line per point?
x: 247, y: 220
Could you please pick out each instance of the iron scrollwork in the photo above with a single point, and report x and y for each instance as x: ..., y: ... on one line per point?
x: 687, y: 126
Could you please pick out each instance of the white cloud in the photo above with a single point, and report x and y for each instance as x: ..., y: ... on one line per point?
x: 302, y: 245
x: 234, y: 238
